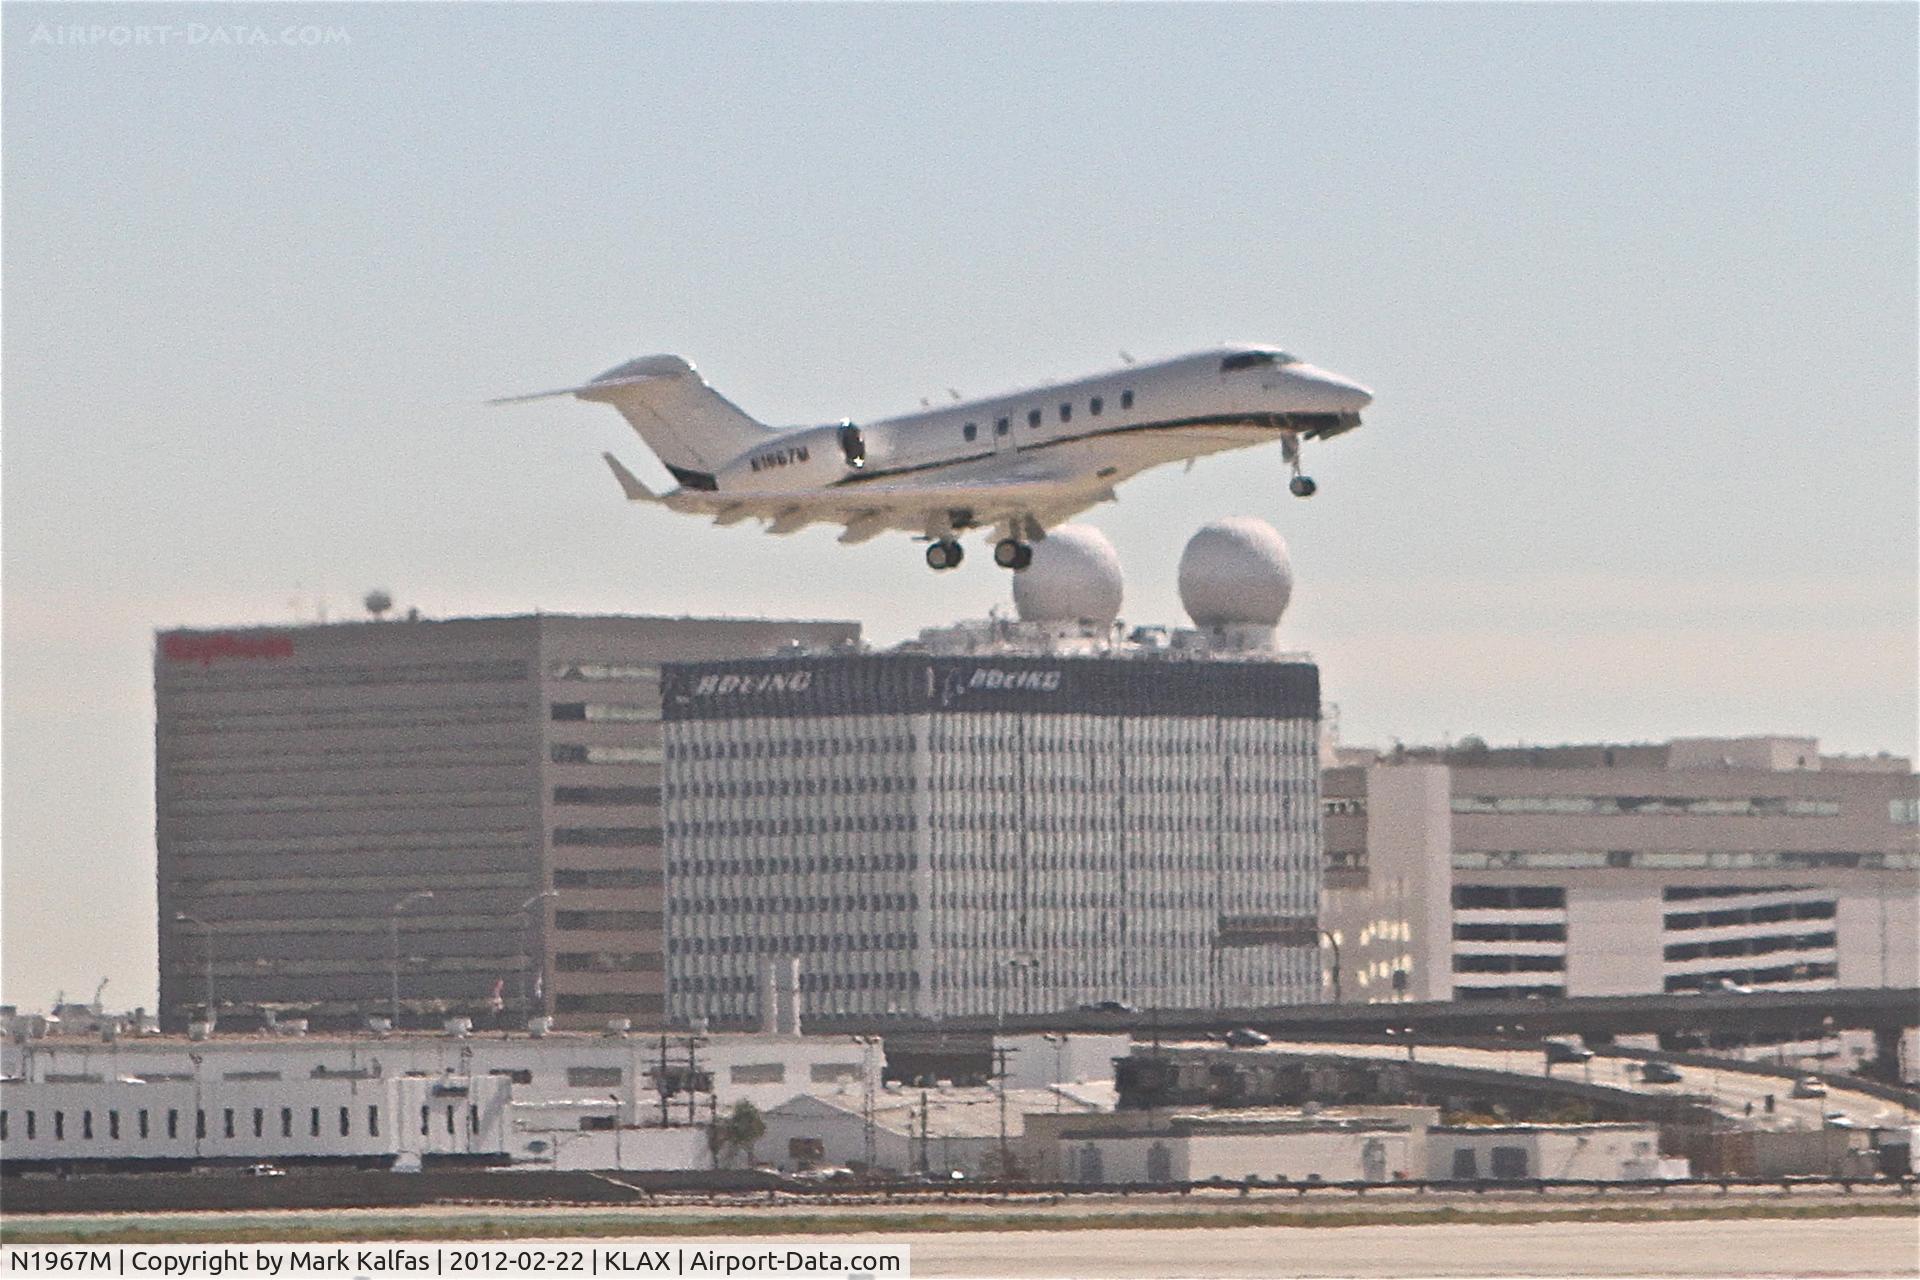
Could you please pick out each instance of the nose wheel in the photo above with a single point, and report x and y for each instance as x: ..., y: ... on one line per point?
x: 944, y: 553
x: 1011, y: 553
x: 1302, y: 486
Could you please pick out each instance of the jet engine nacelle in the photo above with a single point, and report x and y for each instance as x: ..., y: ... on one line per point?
x: 802, y: 459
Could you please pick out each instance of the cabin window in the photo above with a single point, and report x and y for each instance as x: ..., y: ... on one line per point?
x: 970, y: 431
x: 1126, y: 399
x: 1094, y: 406
x: 1000, y: 427
x: 1033, y: 418
x: 1066, y: 413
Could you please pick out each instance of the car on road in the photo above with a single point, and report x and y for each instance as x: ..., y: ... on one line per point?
x: 1247, y: 1038
x: 1837, y: 1120
x: 1659, y: 1073
x: 1108, y: 1006
x: 1561, y: 1051
x: 1808, y: 1087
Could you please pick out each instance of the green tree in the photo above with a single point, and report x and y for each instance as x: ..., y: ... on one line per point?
x: 739, y: 1132
x: 746, y: 1128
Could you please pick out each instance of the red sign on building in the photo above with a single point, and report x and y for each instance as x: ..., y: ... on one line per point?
x: 204, y: 648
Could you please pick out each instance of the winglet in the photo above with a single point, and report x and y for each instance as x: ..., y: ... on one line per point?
x: 630, y: 483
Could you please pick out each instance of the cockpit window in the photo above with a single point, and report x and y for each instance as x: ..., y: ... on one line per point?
x: 1256, y: 360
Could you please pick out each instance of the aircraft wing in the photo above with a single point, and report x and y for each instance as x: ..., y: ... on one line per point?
x: 868, y: 508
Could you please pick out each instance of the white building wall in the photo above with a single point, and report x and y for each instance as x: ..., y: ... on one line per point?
x: 1330, y: 1157
x: 1197, y: 1157
x: 1401, y: 921
x: 1040, y: 1061
x: 626, y: 1148
x: 1607, y: 1152
x: 119, y: 1120
x: 1879, y: 935
x: 1613, y: 940
x: 553, y: 1080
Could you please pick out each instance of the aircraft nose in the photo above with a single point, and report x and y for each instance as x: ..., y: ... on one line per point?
x: 1352, y: 396
x: 1331, y: 393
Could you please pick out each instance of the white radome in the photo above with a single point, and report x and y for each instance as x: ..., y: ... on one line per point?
x: 1075, y: 577
x: 1236, y: 572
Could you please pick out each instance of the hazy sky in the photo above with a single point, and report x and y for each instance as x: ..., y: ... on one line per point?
x: 1634, y: 286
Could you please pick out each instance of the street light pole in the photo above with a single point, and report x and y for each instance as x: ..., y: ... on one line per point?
x: 393, y: 953
x: 206, y: 936
x: 1335, y: 944
x: 526, y: 935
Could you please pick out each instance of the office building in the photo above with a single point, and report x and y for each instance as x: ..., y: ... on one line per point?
x: 1696, y: 864
x: 455, y: 817
x: 1006, y: 817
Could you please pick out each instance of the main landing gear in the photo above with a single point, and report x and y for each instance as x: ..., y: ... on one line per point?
x: 944, y: 553
x: 1011, y: 553
x: 1301, y: 486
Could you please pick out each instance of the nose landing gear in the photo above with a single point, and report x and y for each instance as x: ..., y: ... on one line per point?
x: 1011, y: 553
x: 1301, y: 486
x: 944, y: 553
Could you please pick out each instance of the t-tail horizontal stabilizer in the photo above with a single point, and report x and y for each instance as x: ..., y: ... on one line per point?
x: 629, y: 482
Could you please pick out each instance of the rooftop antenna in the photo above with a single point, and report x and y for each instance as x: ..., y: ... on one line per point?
x: 378, y: 601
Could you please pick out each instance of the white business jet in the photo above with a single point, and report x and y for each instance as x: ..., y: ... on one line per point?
x: 1013, y: 464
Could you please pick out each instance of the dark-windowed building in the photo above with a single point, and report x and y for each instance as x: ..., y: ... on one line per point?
x: 1001, y: 830
x: 314, y: 784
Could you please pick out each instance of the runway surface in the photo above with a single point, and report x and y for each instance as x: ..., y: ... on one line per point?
x: 1746, y: 1247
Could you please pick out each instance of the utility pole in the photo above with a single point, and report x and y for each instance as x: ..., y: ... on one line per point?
x: 867, y: 1100
x: 1059, y: 1042
x: 660, y: 1081
x: 925, y: 1130
x: 1000, y: 1078
x: 693, y: 1079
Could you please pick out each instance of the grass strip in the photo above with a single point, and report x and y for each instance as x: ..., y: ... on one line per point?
x: 507, y: 1227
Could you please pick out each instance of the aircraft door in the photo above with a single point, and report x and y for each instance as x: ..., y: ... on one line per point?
x: 1005, y: 438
